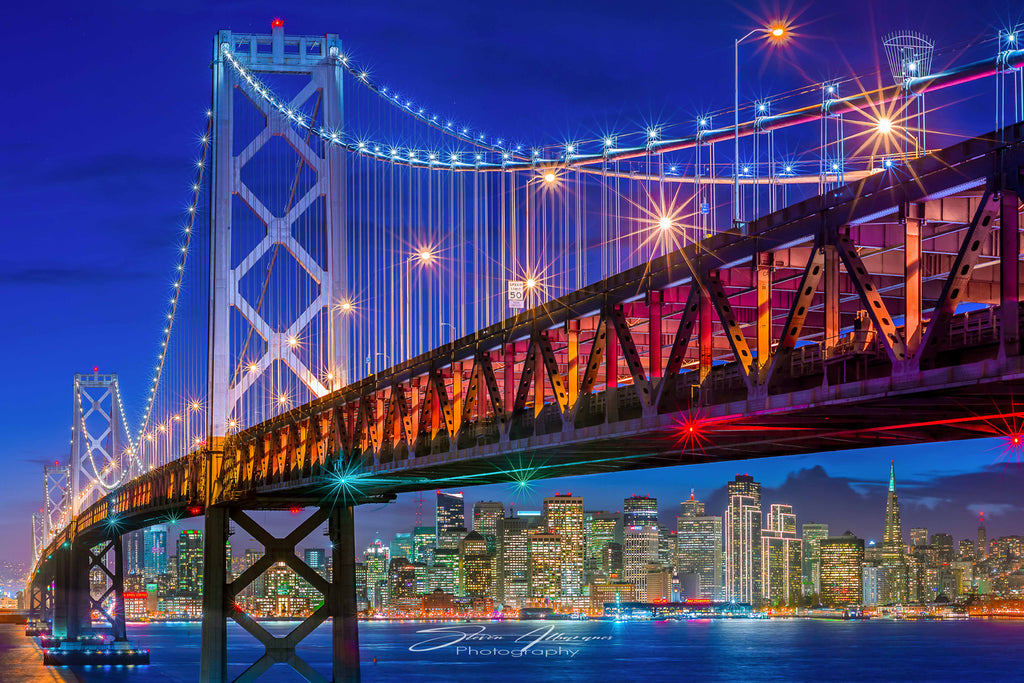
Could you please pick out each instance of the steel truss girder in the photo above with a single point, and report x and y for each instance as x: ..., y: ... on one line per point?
x: 797, y: 313
x: 872, y: 300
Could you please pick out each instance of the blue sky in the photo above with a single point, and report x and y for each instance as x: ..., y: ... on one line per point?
x: 103, y: 115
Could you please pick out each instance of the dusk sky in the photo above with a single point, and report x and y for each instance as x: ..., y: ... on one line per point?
x: 105, y: 106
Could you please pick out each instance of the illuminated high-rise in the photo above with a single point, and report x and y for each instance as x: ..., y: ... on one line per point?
x: 545, y: 566
x: 812, y: 533
x: 893, y: 555
x: 841, y: 573
x: 981, y: 552
x: 563, y: 515
x: 640, y: 540
x: 376, y: 561
x: 424, y: 540
x: 699, y: 549
x: 476, y: 566
x: 486, y: 514
x: 450, y: 519
x: 190, y: 562
x: 513, y: 561
x: 401, y: 546
x: 599, y: 530
x: 742, y: 522
x: 780, y: 557
x: 154, y: 548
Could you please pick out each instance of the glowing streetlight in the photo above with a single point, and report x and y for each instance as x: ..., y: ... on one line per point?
x: 884, y: 125
x: 549, y: 177
x: 665, y: 223
x: 777, y: 32
x: 531, y: 283
x: 424, y: 255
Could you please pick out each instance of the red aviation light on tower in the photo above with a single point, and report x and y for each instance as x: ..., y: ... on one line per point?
x: 277, y: 23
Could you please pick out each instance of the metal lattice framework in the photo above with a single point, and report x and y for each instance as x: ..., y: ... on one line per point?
x: 101, y: 456
x: 56, y: 498
x: 235, y: 368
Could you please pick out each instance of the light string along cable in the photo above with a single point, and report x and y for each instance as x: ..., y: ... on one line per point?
x: 188, y: 231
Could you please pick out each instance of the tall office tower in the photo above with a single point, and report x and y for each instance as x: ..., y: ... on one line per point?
x: 965, y: 550
x: 476, y: 568
x: 360, y: 586
x: 599, y: 529
x: 981, y: 552
x: 401, y: 546
x: 486, y: 514
x: 134, y: 553
x: 258, y: 588
x: 513, y: 561
x: 444, y: 572
x: 545, y: 566
x: 402, y: 585
x: 424, y: 540
x: 743, y: 541
x: 781, y: 553
x: 893, y: 554
x: 943, y: 546
x: 918, y: 536
x: 611, y: 560
x: 376, y: 560
x: 190, y: 562
x: 563, y: 514
x: 154, y: 546
x: 640, y: 540
x: 316, y: 558
x: 699, y: 550
x: 668, y: 541
x: 812, y: 533
x: 229, y: 570
x: 841, y: 575
x: 451, y: 516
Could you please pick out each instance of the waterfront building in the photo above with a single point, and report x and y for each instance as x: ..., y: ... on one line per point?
x: 444, y: 573
x: 134, y: 553
x: 513, y: 561
x: 611, y: 560
x: 811, y: 533
x: 563, y: 515
x: 781, y: 553
x: 699, y: 550
x: 545, y: 566
x: 842, y: 558
x: 873, y: 581
x: 402, y: 594
x: 603, y: 592
x: 658, y: 583
x: 486, y: 514
x: 450, y: 518
x: 742, y: 526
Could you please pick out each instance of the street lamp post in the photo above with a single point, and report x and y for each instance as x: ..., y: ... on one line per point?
x: 776, y: 32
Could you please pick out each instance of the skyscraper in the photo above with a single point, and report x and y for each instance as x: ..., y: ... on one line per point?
x: 190, y: 562
x: 476, y: 569
x: 982, y: 550
x: 599, y: 529
x: 486, y: 514
x: 134, y: 553
x: 640, y: 546
x: 743, y: 541
x: 918, y: 536
x: 812, y: 533
x: 154, y: 546
x: 893, y: 554
x: 781, y: 552
x: 401, y: 546
x: 513, y: 561
x: 424, y: 539
x: 841, y: 575
x: 563, y: 514
x: 545, y: 566
x: 450, y: 517
x: 376, y: 561
x: 699, y: 549
x: 316, y: 558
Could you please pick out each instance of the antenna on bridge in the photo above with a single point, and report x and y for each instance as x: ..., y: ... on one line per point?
x: 910, y: 59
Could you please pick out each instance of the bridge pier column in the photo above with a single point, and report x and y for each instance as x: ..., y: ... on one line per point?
x: 213, y: 656
x: 342, y: 596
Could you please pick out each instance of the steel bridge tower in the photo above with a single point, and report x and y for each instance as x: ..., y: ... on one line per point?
x: 100, y: 450
x: 240, y: 362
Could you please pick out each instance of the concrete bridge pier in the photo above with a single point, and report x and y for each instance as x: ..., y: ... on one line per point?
x: 339, y: 596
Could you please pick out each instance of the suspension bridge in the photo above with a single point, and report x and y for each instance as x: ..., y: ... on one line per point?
x: 372, y: 298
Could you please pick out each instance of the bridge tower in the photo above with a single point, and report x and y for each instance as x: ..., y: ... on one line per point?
x: 277, y: 221
x: 56, y: 499
x: 100, y: 456
x: 276, y: 218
